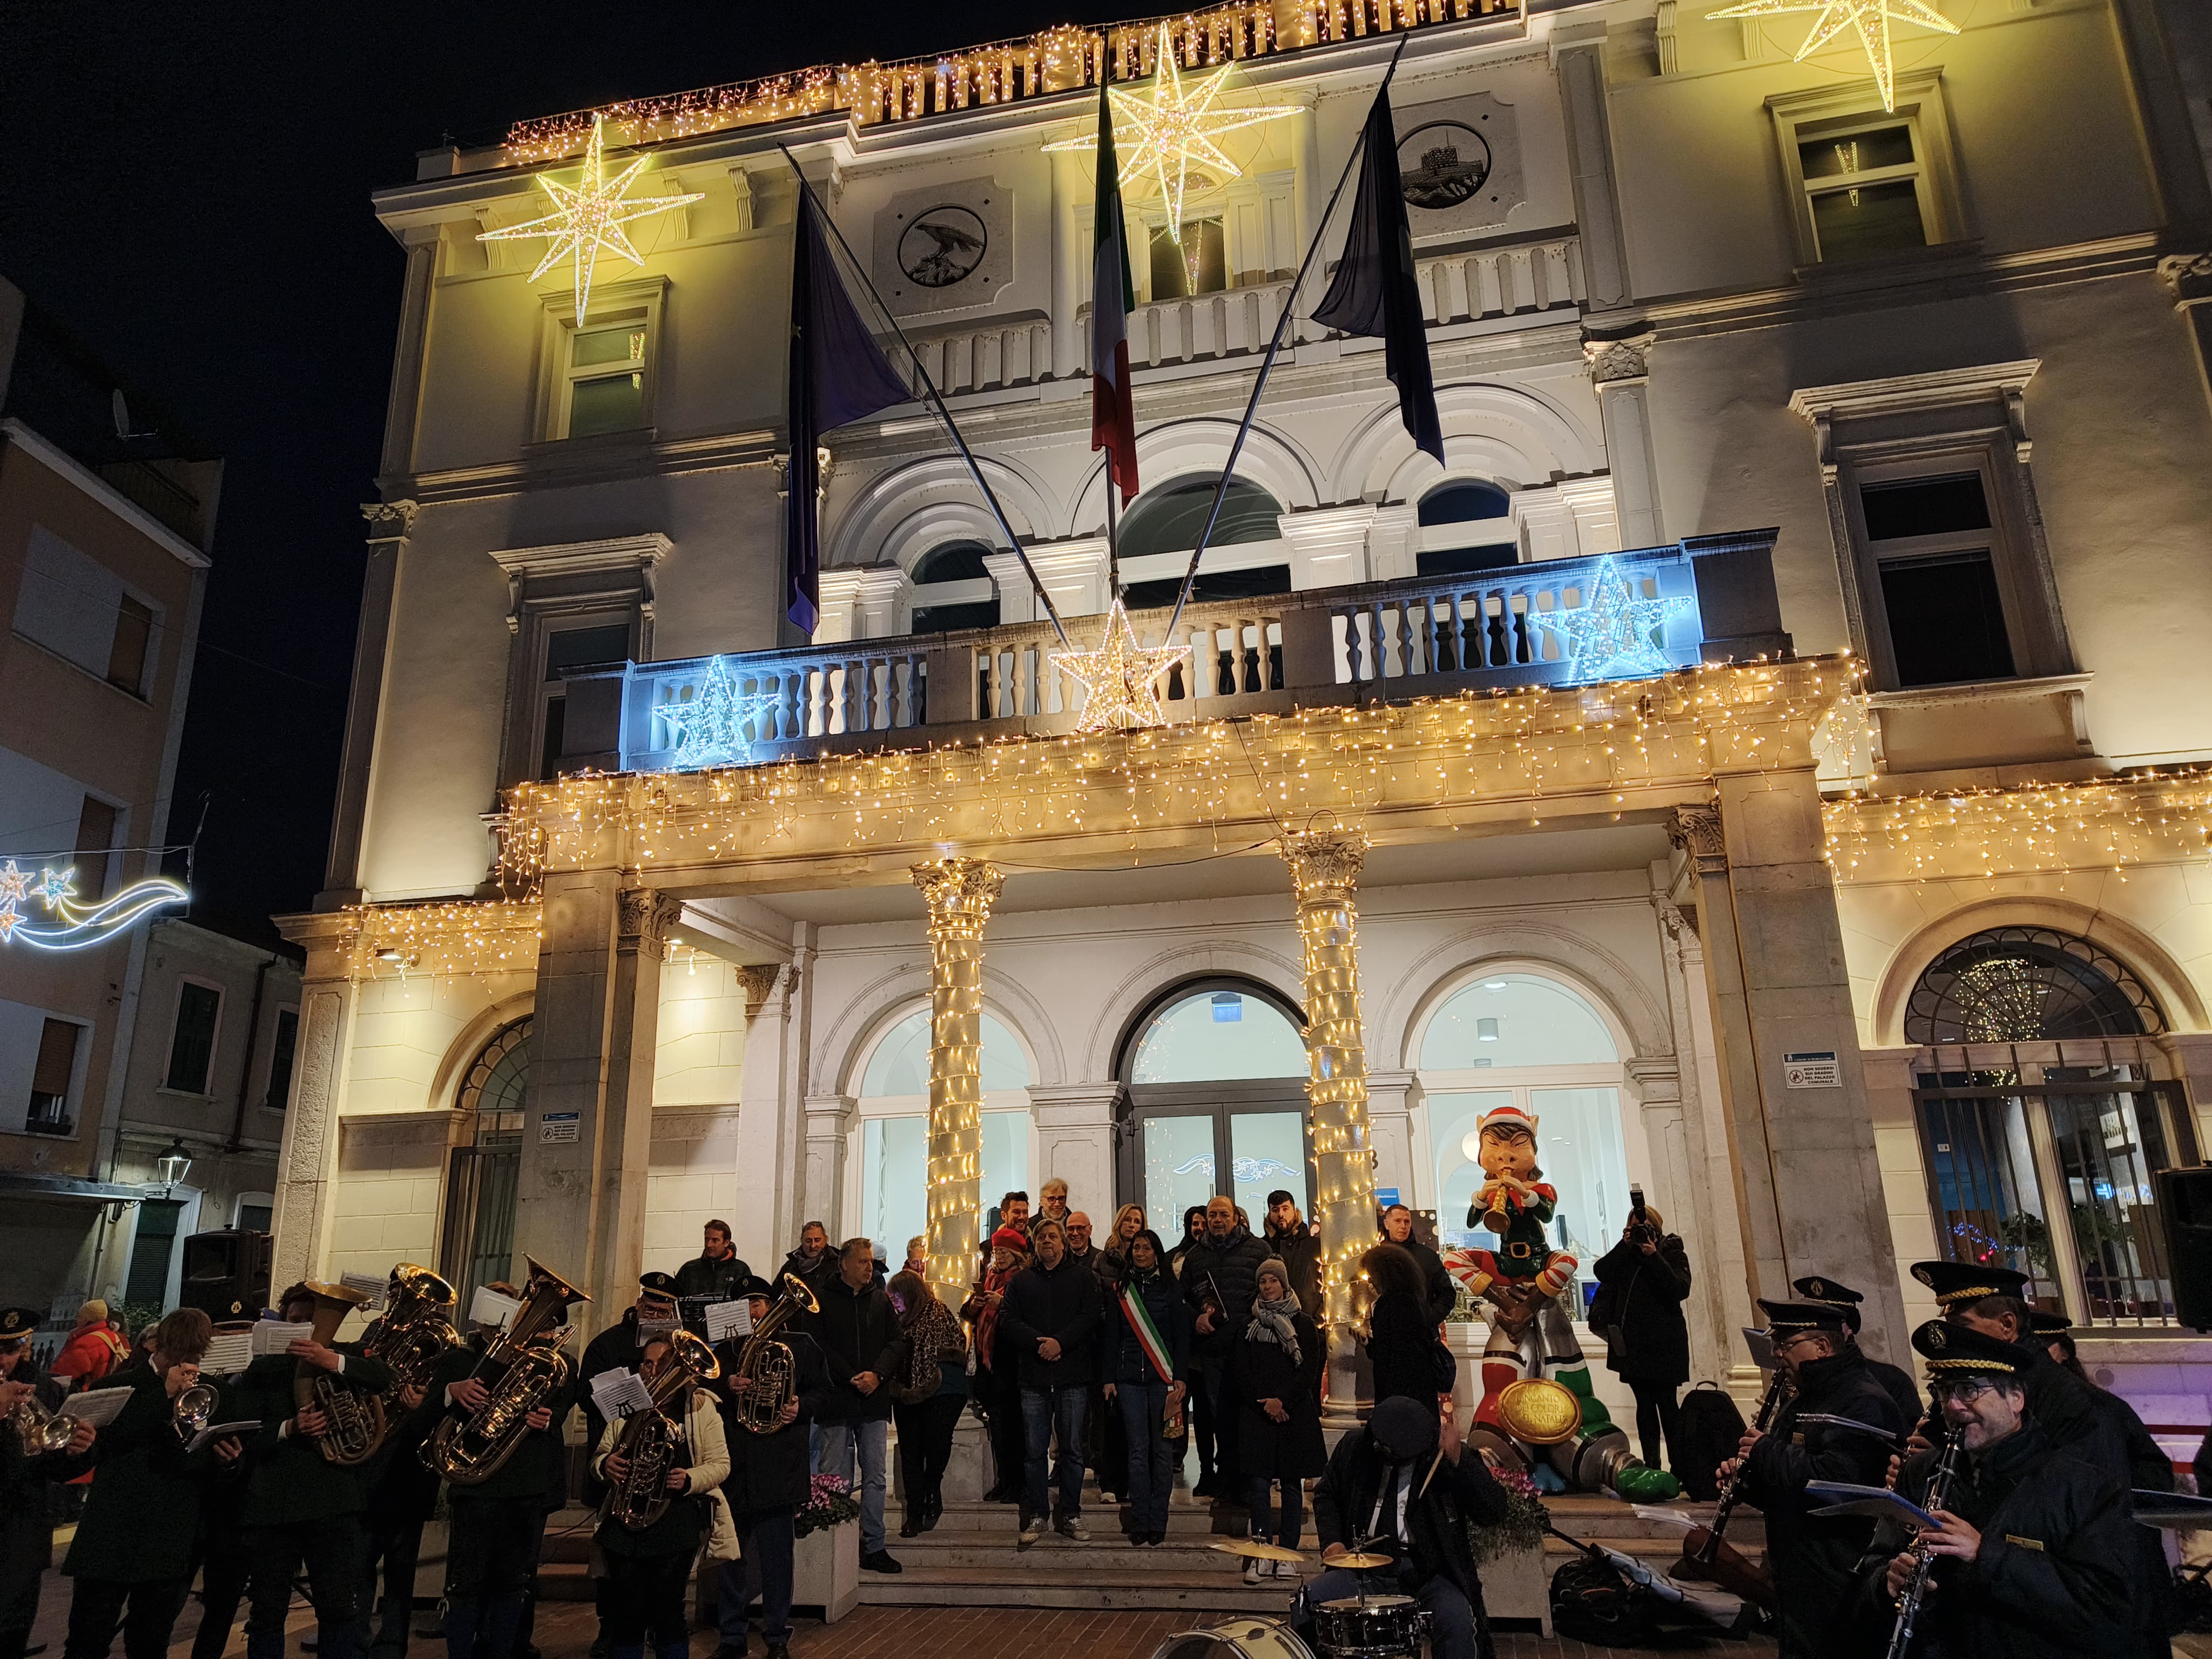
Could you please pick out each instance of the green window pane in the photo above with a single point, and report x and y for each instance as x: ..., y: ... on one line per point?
x: 609, y: 345
x: 1867, y: 218
x: 1268, y: 1151
x: 614, y: 402
x: 1178, y: 1170
x: 1861, y: 152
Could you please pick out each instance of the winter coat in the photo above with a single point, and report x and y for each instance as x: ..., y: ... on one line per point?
x: 1228, y: 1269
x: 1119, y: 1358
x: 142, y: 1511
x: 88, y: 1356
x: 858, y: 1331
x: 720, y: 1280
x: 287, y: 1478
x: 1442, y: 1295
x: 1262, y: 1371
x: 1639, y: 1309
x: 770, y: 1471
x: 539, y: 1463
x: 1344, y: 1498
x: 1060, y: 1303
x: 818, y: 1273
x: 1300, y: 1251
x: 704, y: 1453
x: 1899, y: 1387
x: 1402, y: 1343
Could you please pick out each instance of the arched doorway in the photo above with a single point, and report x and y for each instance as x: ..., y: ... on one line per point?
x: 482, y: 1172
x: 1216, y: 1071
x: 2040, y: 1126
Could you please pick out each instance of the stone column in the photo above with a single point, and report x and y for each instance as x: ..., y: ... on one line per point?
x: 1075, y: 1140
x: 768, y: 1168
x: 389, y: 523
x: 828, y: 1119
x: 308, y: 1155
x: 959, y: 893
x: 1621, y: 370
x: 1578, y: 59
x: 1074, y: 572
x: 2188, y: 278
x: 1391, y: 1097
x: 1325, y: 866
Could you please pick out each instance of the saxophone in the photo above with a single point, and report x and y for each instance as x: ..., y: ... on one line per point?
x: 767, y: 1376
x: 521, y: 1366
x: 416, y: 1332
x: 354, y: 1420
x: 648, y: 1439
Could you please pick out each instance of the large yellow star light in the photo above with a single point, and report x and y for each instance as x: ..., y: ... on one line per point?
x: 588, y: 217
x: 1871, y: 18
x: 1120, y: 677
x: 1173, y: 128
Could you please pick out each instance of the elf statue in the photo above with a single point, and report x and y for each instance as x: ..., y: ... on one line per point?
x: 1530, y: 1338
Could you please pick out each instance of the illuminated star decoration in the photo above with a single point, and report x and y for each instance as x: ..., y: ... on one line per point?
x: 1173, y: 128
x: 710, y: 729
x: 588, y: 217
x: 80, y: 926
x: 1608, y: 635
x: 1119, y: 678
x: 1871, y: 18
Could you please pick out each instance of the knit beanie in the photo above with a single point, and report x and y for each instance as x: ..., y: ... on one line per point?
x: 1273, y: 1265
x: 1010, y: 1238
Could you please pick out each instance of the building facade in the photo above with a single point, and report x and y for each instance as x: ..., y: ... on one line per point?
x: 1846, y: 890
x: 106, y: 519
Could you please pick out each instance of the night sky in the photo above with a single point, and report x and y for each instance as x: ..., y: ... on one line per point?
x: 185, y: 188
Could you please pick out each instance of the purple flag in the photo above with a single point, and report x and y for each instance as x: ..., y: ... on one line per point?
x: 838, y: 374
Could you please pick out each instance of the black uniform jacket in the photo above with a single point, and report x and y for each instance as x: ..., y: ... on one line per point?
x: 26, y: 1536
x: 769, y: 1471
x: 1440, y: 1294
x: 537, y: 1463
x: 1901, y: 1388
x: 142, y: 1511
x: 2052, y: 1576
x: 287, y: 1479
x: 1462, y: 1493
x: 1815, y: 1559
x: 614, y: 1349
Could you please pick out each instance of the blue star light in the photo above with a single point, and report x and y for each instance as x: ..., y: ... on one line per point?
x: 55, y: 886
x: 1614, y: 634
x: 710, y: 728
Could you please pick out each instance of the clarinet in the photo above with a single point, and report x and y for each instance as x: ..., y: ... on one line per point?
x: 1777, y: 1389
x: 1937, y: 1495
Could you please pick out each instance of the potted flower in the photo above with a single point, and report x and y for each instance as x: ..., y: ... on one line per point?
x: 1510, y: 1555
x: 826, y: 1563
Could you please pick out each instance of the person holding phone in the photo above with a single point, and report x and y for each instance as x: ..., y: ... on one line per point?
x: 1642, y: 1283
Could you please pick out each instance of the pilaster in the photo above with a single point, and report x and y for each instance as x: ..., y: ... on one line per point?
x: 1578, y: 59
x: 858, y: 602
x: 1074, y: 572
x: 769, y: 1161
x: 1391, y: 1098
x: 1075, y: 1139
x: 307, y: 1159
x: 2188, y: 278
x: 828, y: 1119
x: 1620, y: 368
x: 389, y: 524
x: 1329, y: 546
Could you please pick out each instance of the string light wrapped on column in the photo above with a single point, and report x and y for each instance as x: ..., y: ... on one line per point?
x: 1325, y: 866
x: 959, y: 893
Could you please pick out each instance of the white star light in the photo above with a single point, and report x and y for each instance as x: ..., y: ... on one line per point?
x: 1119, y: 677
x: 710, y: 729
x: 1871, y: 18
x: 588, y: 217
x: 1173, y: 128
x: 1609, y: 636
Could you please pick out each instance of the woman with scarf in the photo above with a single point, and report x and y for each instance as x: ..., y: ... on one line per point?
x: 1109, y: 1445
x: 1274, y: 1379
x: 1144, y: 1341
x: 998, y: 1363
x: 926, y: 1401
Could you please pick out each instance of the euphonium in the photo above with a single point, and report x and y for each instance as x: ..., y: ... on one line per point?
x: 39, y: 1429
x: 194, y: 1410
x: 767, y: 1376
x: 649, y: 1439
x: 354, y: 1420
x: 415, y: 1331
x: 522, y: 1365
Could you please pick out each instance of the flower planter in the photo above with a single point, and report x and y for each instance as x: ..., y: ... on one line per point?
x: 826, y: 1570
x: 1517, y: 1584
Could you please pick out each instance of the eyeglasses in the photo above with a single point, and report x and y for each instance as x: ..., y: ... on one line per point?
x: 1964, y: 1392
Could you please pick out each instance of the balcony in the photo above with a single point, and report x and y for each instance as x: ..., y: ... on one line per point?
x: 1706, y: 599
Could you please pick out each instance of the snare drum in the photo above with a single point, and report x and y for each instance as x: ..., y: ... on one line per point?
x: 1237, y: 1638
x: 1372, y: 1628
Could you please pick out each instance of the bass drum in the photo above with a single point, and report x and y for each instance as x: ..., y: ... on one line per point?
x: 1237, y: 1638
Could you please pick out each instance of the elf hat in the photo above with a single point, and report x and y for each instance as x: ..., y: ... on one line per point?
x: 1507, y: 1117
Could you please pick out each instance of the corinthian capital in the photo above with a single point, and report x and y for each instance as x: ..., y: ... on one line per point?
x: 959, y: 893
x: 1626, y: 358
x: 389, y: 521
x: 647, y: 915
x: 1697, y: 831
x: 2188, y: 277
x: 1325, y: 861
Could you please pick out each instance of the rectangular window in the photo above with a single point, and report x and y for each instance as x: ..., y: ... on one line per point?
x: 572, y: 648
x: 1932, y: 542
x: 1864, y: 190
x: 150, y: 1248
x: 51, y: 1075
x: 126, y: 657
x: 95, y: 842
x: 606, y: 379
x: 1198, y: 264
x: 280, y: 1059
x: 191, y: 1040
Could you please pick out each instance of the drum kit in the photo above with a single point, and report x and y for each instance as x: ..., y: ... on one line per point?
x: 1362, y: 1626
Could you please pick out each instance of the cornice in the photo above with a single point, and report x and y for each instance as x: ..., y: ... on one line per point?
x: 582, y: 558
x: 1897, y: 394
x: 529, y: 474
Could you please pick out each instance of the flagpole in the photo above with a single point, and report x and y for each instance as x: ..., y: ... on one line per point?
x: 933, y: 397
x: 1274, y: 345
x: 1112, y: 540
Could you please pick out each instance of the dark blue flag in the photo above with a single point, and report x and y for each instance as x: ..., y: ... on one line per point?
x: 838, y: 374
x: 1375, y: 293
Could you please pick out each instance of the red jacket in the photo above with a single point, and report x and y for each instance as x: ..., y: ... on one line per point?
x: 88, y: 1356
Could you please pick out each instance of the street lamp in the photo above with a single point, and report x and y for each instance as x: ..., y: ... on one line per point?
x: 175, y: 1162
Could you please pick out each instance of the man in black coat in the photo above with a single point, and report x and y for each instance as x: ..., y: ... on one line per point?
x: 859, y: 1332
x: 1896, y: 1382
x: 2034, y: 1555
x: 1442, y: 1294
x: 1296, y: 1247
x: 767, y: 1485
x: 1641, y: 1284
x: 1050, y: 1319
x: 26, y: 1530
x: 1219, y: 1277
x: 1815, y: 1559
x: 1384, y: 1490
x: 813, y: 1260
x: 1993, y: 1301
x: 653, y: 1312
x: 718, y: 1273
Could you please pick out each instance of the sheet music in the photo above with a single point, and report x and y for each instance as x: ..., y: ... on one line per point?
x: 97, y: 1407
x: 274, y: 1336
x: 488, y: 1307
x: 370, y: 1286
x: 727, y: 1319
x: 223, y: 1432
x: 229, y: 1352
x: 619, y: 1393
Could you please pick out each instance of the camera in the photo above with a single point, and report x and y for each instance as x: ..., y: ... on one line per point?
x: 1639, y: 1223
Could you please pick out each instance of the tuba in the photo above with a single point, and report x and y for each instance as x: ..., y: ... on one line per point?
x: 416, y: 1332
x: 356, y: 1420
x: 767, y: 1376
x: 648, y: 1439
x: 521, y: 1366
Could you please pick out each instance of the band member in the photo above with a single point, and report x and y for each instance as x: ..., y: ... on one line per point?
x: 2035, y: 1552
x: 134, y: 1545
x: 403, y: 1490
x: 495, y: 1525
x: 617, y: 1348
x: 648, y: 1568
x: 1815, y: 1559
x: 767, y: 1486
x: 1385, y: 1490
x: 1896, y: 1382
x: 219, y: 1549
x: 26, y: 1530
x: 1993, y: 1301
x: 301, y: 1509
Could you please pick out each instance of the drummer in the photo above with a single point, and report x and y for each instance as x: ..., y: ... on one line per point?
x: 1388, y: 1491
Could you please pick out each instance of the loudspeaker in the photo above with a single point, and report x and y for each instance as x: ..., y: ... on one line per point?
x: 226, y: 1273
x: 2185, y: 1211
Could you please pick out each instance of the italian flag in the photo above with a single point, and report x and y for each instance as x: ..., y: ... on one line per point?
x: 1112, y: 418
x: 1146, y: 1333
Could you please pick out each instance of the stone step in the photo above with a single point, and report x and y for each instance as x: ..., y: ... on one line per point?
x: 1107, y: 1552
x: 1037, y: 1581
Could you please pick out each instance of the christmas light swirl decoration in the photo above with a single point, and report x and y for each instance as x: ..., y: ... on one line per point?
x: 81, y: 925
x: 959, y: 893
x: 1173, y: 128
x: 711, y: 728
x: 1120, y: 678
x: 1609, y: 636
x: 1871, y: 18
x: 588, y: 217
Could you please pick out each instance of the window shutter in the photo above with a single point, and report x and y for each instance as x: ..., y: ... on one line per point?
x: 56, y: 1059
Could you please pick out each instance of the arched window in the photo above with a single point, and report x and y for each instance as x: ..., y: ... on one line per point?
x: 892, y: 1138
x: 1466, y: 526
x: 1526, y: 1039
x: 1167, y: 518
x: 1464, y: 501
x: 483, y: 1171
x: 953, y: 590
x: 2026, y: 985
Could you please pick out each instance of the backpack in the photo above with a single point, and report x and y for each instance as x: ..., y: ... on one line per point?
x: 1593, y: 1601
x: 1711, y: 1427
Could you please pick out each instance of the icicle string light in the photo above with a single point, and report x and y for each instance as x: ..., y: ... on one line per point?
x: 959, y: 893
x: 402, y: 941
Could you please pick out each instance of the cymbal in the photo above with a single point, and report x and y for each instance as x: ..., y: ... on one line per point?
x: 1360, y: 1563
x: 1252, y: 1549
